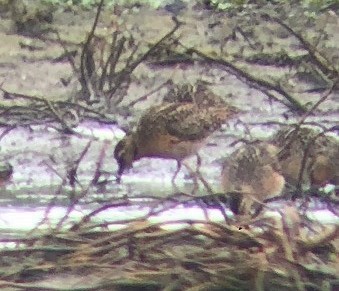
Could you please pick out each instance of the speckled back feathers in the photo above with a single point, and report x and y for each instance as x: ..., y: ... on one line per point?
x: 183, y: 120
x: 199, y: 94
x: 320, y: 151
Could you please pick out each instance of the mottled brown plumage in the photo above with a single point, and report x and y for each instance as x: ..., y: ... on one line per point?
x: 30, y: 17
x: 199, y: 94
x: 320, y: 150
x: 170, y: 131
x: 252, y: 173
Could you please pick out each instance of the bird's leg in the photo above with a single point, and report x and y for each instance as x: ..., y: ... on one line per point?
x: 197, y: 175
x: 118, y: 178
x: 198, y: 165
x: 176, y: 172
x: 198, y: 162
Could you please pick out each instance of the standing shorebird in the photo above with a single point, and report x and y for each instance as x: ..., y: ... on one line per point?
x: 252, y: 173
x: 171, y: 131
x: 307, y: 156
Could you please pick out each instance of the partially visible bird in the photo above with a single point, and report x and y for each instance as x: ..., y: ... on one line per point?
x: 175, y: 7
x: 308, y: 150
x: 6, y: 172
x: 252, y: 173
x: 170, y: 131
x: 30, y: 17
x: 199, y: 94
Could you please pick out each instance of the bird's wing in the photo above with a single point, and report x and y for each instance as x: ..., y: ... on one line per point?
x: 189, y: 122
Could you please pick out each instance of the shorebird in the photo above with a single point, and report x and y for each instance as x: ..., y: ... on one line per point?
x: 252, y: 174
x: 171, y: 131
x: 30, y: 18
x: 199, y: 94
x: 307, y: 156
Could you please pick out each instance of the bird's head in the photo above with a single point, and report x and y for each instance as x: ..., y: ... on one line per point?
x: 125, y: 153
x: 6, y: 171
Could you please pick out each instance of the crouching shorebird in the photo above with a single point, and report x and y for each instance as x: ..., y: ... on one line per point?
x: 308, y: 157
x: 171, y: 131
x: 252, y: 174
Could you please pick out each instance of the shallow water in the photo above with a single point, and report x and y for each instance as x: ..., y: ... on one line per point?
x: 41, y: 156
